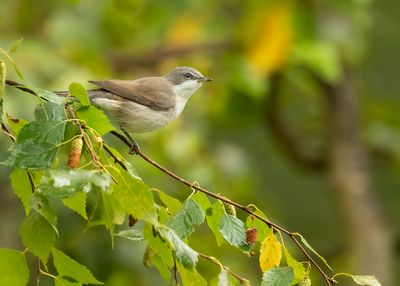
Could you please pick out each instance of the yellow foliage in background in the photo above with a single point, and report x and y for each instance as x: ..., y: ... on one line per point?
x: 270, y: 253
x: 272, y: 38
x: 185, y: 31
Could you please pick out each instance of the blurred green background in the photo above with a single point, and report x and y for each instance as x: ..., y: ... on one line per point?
x: 302, y: 118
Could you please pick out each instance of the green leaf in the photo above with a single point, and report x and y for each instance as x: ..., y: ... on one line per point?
x: 37, y: 235
x: 95, y: 118
x: 365, y: 280
x: 202, y: 200
x: 189, y: 215
x: 3, y: 75
x: 13, y: 63
x: 14, y: 270
x: 37, y: 144
x: 233, y: 230
x: 15, y: 46
x: 313, y: 250
x: 131, y: 234
x: 262, y: 228
x: 160, y: 246
x: 184, y: 254
x: 22, y: 187
x: 59, y: 281
x: 65, y: 183
x: 41, y: 205
x: 172, y: 203
x: 214, y: 216
x: 47, y: 95
x: 78, y: 91
x: 50, y: 111
x: 111, y: 212
x: 190, y: 277
x: 135, y: 197
x: 162, y: 268
x: 77, y: 203
x: 68, y: 267
x: 278, y: 276
x: 298, y: 269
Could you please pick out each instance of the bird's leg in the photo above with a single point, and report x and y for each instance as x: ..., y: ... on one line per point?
x: 134, y: 146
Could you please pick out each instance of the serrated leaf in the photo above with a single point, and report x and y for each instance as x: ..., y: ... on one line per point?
x: 184, y: 254
x: 365, y: 280
x: 59, y: 281
x: 298, y: 269
x: 47, y: 95
x: 37, y: 235
x: 22, y: 187
x: 135, y: 197
x: 77, y: 203
x: 15, y: 46
x: 233, y: 230
x: 313, y: 250
x: 278, y: 276
x: 173, y: 204
x: 131, y: 234
x: 160, y: 246
x: 95, y: 118
x: 78, y: 91
x: 14, y: 270
x: 68, y: 267
x: 270, y: 253
x: 262, y: 228
x: 190, y: 277
x: 188, y: 216
x: 65, y: 183
x: 36, y: 145
x: 214, y: 216
x: 50, y: 111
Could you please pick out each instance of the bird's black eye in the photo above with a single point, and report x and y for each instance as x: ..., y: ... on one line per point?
x: 188, y: 75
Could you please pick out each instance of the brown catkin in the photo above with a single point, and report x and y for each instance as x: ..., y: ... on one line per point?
x: 75, y: 153
x: 251, y: 235
x: 148, y: 254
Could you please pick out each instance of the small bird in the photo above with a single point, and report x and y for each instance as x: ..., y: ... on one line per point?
x: 148, y: 103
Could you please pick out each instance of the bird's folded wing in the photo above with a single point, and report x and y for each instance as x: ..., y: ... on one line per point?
x: 153, y: 92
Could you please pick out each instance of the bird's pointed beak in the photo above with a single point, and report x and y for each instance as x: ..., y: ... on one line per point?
x: 204, y: 79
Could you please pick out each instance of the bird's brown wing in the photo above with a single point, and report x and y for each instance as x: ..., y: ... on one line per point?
x: 153, y: 92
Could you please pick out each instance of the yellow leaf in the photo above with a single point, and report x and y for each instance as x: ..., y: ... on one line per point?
x: 270, y: 253
x: 299, y: 271
x: 272, y: 38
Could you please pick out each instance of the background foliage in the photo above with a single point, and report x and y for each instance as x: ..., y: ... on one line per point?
x: 222, y: 139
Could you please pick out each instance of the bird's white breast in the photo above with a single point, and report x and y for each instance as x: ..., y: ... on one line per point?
x: 183, y: 92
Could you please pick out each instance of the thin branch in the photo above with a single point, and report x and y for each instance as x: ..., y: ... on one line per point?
x: 246, y: 209
x: 195, y: 186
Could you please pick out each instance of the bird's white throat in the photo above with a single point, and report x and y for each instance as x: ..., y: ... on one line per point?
x: 184, y: 91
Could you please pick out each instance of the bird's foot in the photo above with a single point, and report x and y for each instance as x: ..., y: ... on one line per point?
x: 134, y: 148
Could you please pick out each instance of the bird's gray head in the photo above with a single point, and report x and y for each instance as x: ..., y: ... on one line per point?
x: 180, y: 75
x: 186, y: 81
